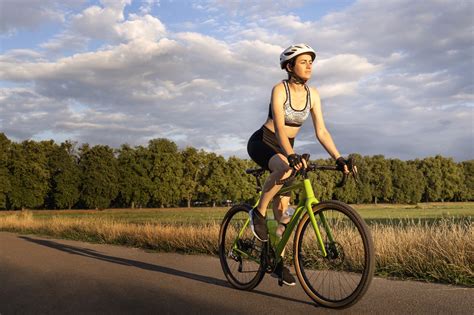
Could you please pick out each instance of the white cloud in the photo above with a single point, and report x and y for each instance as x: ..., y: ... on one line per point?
x: 99, y: 22
x: 392, y: 76
x: 338, y: 89
x: 344, y: 67
x: 147, y: 6
x: 28, y: 14
x: 24, y: 112
x: 288, y: 22
x: 18, y: 55
x: 248, y: 7
x: 109, y: 24
x: 65, y: 41
x: 141, y: 27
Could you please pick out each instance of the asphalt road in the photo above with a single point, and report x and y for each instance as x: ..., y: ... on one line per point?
x: 48, y: 276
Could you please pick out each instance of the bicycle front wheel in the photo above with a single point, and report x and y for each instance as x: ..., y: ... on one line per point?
x: 342, y: 277
x: 239, y: 250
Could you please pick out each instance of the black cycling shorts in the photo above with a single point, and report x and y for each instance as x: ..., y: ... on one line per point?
x: 263, y: 144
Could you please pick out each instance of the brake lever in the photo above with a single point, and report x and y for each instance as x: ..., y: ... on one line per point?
x: 355, y: 173
x: 352, y: 171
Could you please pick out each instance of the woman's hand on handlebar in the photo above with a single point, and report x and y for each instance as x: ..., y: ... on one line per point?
x: 342, y: 163
x: 297, y: 162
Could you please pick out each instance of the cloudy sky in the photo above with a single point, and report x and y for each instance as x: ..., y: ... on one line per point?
x: 396, y: 77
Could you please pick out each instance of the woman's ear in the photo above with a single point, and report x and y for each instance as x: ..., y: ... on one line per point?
x: 288, y: 67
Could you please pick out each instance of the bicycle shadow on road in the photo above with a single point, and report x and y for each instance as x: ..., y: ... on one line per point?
x: 146, y: 266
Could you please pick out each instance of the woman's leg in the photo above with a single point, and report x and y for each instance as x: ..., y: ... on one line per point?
x: 279, y: 206
x: 279, y: 169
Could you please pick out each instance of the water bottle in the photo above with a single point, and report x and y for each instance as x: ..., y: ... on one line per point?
x: 290, y: 211
x: 280, y: 229
x: 285, y: 218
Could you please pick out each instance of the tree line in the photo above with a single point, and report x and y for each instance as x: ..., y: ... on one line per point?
x: 47, y: 175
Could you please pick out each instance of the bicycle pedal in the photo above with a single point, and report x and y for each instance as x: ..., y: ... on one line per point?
x: 233, y: 256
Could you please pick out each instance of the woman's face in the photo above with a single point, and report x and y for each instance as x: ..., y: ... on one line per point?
x: 303, y: 66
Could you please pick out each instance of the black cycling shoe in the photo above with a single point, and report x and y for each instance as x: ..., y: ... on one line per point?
x: 283, y: 274
x: 258, y: 224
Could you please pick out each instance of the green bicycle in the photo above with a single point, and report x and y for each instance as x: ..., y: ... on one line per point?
x: 333, y: 252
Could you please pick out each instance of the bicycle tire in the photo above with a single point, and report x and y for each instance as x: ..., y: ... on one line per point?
x: 342, y: 278
x: 241, y: 272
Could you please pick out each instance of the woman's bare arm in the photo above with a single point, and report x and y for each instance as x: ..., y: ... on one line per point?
x: 322, y: 134
x: 278, y: 99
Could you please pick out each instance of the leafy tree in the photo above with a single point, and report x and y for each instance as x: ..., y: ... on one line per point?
x: 37, y: 174
x: 240, y: 186
x: 324, y: 182
x: 248, y: 187
x: 193, y: 168
x: 29, y: 180
x: 364, y: 192
x: 65, y: 176
x: 214, y: 181
x: 166, y: 172
x: 99, y: 176
x: 407, y: 182
x: 433, y: 175
x: 379, y: 178
x: 5, y: 185
x: 468, y: 187
x: 134, y: 183
x: 453, y: 179
x: 415, y: 190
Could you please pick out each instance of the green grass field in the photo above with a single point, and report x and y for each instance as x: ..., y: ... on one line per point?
x: 381, y: 213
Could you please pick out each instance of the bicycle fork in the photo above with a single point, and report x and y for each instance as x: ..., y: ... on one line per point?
x: 310, y: 201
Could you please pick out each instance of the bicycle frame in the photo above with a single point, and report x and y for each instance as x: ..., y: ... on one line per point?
x: 305, y: 204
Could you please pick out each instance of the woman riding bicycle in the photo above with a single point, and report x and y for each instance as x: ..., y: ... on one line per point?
x: 271, y: 146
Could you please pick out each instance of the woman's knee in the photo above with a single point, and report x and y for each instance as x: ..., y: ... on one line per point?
x: 279, y: 166
x: 279, y: 163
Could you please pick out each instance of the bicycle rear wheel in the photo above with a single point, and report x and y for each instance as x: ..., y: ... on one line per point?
x: 342, y: 277
x: 239, y: 250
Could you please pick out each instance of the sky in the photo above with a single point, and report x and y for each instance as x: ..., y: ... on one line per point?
x: 395, y: 77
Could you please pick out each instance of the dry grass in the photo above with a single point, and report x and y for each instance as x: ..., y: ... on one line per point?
x: 441, y: 252
x: 189, y: 239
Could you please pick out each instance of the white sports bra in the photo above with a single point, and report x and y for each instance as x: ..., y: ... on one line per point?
x: 293, y: 117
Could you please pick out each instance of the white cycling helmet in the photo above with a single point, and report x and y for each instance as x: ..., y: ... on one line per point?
x: 293, y: 51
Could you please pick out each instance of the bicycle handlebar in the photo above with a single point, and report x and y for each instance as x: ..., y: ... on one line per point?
x: 313, y: 166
